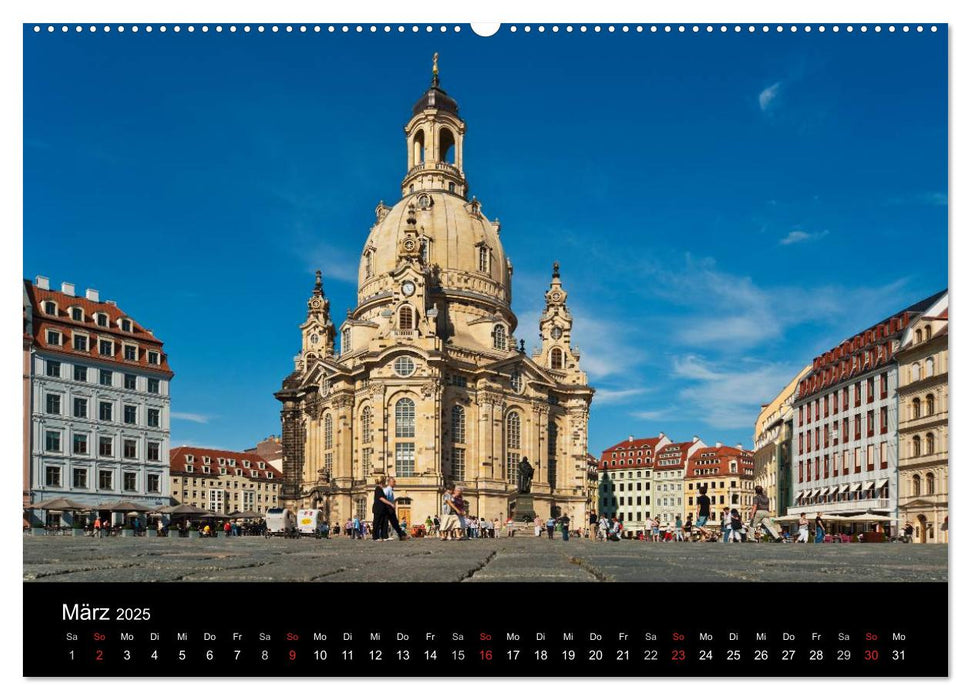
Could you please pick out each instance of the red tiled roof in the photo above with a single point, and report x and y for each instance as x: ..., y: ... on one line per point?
x: 177, y: 462
x: 669, y: 451
x: 67, y: 326
x: 724, y: 456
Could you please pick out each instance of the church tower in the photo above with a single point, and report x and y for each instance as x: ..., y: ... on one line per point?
x: 429, y: 383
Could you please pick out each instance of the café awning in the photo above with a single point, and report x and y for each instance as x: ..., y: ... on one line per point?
x: 867, y: 486
x: 882, y: 483
x: 844, y: 488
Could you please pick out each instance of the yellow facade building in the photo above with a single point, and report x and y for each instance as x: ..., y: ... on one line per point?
x: 923, y: 425
x: 223, y: 482
x: 773, y: 447
x: 429, y: 384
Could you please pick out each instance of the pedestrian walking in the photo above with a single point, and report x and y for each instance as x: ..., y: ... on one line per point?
x: 678, y: 529
x: 820, y: 528
x: 803, y: 529
x: 550, y: 526
x: 735, y: 526
x: 565, y: 525
x: 760, y: 515
x: 379, y: 507
x: 704, y: 512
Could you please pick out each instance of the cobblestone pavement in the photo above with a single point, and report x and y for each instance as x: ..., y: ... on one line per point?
x: 64, y: 558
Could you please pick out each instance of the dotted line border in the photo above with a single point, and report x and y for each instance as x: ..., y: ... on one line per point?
x: 510, y: 29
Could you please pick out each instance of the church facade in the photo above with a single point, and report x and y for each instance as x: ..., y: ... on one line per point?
x: 425, y: 380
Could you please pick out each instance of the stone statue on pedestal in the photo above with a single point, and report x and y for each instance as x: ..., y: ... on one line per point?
x: 525, y: 476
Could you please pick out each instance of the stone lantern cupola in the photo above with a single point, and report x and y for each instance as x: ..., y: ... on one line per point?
x: 434, y: 136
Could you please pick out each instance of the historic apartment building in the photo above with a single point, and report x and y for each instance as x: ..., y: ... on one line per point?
x: 641, y: 478
x: 845, y: 423
x: 923, y: 424
x: 773, y: 443
x: 729, y: 474
x: 625, y: 481
x: 425, y: 379
x: 97, y: 397
x: 222, y: 481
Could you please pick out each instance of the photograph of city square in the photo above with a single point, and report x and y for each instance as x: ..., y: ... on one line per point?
x: 396, y: 306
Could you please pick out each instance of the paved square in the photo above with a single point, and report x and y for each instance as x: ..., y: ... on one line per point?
x: 66, y: 559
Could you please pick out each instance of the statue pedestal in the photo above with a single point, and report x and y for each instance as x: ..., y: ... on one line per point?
x: 523, y: 507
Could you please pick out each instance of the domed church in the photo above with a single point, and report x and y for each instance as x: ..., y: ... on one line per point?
x: 425, y: 380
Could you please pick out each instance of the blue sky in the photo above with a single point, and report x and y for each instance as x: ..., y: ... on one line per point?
x: 723, y: 206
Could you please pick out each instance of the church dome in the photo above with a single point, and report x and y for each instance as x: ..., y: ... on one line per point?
x: 436, y: 98
x: 454, y: 236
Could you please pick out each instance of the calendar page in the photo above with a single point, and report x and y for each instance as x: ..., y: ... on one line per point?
x: 527, y: 349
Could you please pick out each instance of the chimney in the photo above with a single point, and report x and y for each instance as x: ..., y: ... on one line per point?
x: 660, y: 435
x: 91, y: 294
x: 718, y: 444
x: 112, y: 302
x: 738, y: 446
x: 67, y: 288
x: 694, y: 438
x: 630, y: 438
x: 42, y: 282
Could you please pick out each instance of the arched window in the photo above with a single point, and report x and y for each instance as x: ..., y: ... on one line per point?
x: 406, y: 319
x: 513, y: 442
x: 929, y: 440
x: 404, y: 427
x: 915, y: 372
x: 446, y: 142
x: 483, y: 259
x: 328, y: 432
x: 929, y: 367
x: 930, y: 483
x: 918, y: 336
x: 915, y: 446
x: 367, y: 425
x: 458, y: 424
x: 931, y: 404
x: 556, y: 358
x: 915, y: 409
x: 418, y: 154
x: 915, y: 485
x: 404, y: 418
x: 927, y: 332
x: 346, y: 341
x: 499, y: 337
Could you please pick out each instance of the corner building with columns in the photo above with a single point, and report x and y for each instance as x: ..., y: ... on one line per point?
x: 430, y: 384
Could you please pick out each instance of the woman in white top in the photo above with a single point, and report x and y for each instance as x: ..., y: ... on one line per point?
x: 803, y: 529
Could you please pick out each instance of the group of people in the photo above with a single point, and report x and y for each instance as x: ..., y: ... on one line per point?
x: 552, y: 526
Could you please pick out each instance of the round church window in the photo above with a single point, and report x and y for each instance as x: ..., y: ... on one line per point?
x: 404, y: 366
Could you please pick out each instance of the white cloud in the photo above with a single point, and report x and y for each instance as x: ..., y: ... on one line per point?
x: 193, y: 417
x: 611, y: 396
x: 768, y: 96
x: 333, y: 262
x: 651, y: 415
x: 729, y: 396
x: 800, y: 236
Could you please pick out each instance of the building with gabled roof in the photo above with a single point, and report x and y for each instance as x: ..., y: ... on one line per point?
x: 223, y: 481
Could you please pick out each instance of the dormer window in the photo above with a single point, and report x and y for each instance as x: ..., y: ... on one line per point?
x: 205, y: 470
x: 131, y: 353
x: 222, y: 460
x: 269, y: 475
x: 153, y: 357
x: 189, y: 459
x: 53, y: 338
x: 484, y: 258
x: 126, y: 325
x: 50, y: 308
x: 222, y: 470
x: 406, y: 319
x: 190, y: 468
x: 261, y: 465
x: 253, y: 473
x: 499, y: 337
x: 206, y: 459
x: 77, y: 314
x: 101, y: 319
x: 232, y: 462
x: 239, y: 472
